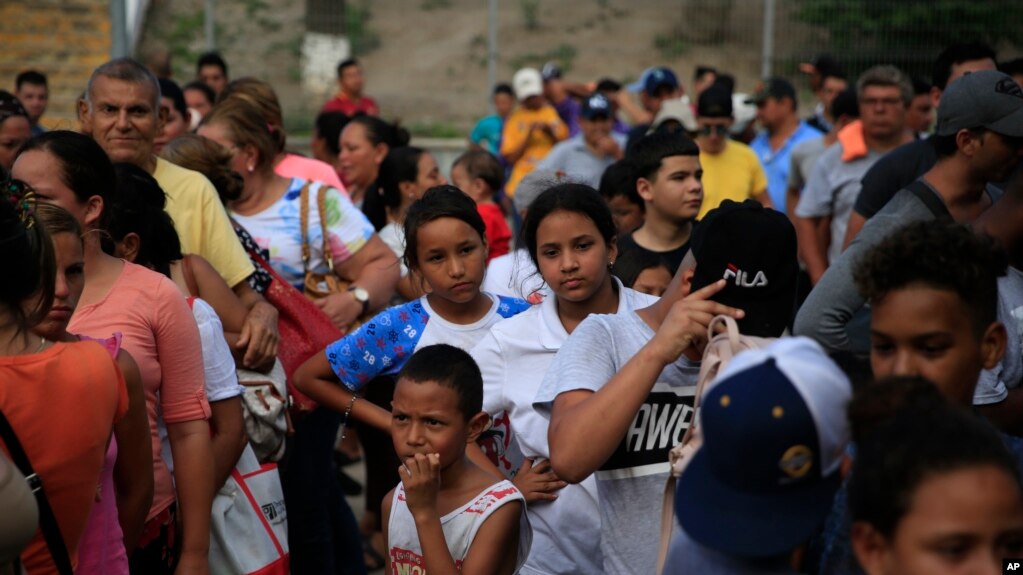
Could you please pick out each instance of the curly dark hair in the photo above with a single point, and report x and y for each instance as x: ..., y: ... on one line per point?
x: 943, y: 255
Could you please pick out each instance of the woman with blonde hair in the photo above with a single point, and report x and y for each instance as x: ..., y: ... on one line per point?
x: 286, y: 164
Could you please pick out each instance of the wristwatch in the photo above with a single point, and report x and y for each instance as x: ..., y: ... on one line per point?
x: 361, y: 296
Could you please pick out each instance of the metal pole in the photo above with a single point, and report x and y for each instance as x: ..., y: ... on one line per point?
x: 118, y: 29
x: 211, y: 41
x: 491, y: 50
x: 767, y: 52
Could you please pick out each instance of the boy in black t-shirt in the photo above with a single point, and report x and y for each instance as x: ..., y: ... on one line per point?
x: 668, y: 178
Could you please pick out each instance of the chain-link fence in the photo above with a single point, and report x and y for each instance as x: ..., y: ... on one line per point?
x: 426, y: 61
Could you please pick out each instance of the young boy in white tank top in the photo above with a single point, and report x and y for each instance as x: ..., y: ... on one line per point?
x: 447, y: 515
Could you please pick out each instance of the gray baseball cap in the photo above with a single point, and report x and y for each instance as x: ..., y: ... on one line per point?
x: 983, y: 99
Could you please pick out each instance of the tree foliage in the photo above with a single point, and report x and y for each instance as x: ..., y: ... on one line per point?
x: 921, y: 24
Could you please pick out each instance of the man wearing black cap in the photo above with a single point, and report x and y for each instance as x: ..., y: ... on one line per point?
x: 584, y: 158
x: 776, y: 111
x: 904, y: 165
x: 731, y: 170
x: 558, y: 94
x: 978, y: 140
x: 620, y: 390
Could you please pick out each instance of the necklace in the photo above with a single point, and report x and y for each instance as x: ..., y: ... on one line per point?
x: 42, y: 342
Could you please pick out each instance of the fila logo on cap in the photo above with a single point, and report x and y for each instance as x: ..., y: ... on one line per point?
x: 742, y: 278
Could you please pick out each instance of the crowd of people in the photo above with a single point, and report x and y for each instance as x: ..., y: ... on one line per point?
x: 532, y: 355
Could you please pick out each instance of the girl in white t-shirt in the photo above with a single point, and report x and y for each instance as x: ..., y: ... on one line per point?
x: 570, y: 236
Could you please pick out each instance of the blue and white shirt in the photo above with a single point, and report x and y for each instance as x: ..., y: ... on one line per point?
x: 382, y: 345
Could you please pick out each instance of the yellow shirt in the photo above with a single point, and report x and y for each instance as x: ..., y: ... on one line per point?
x: 516, y: 129
x: 202, y: 222
x: 734, y: 174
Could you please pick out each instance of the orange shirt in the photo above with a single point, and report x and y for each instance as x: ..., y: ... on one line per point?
x: 62, y: 404
x: 540, y: 143
x: 159, y: 331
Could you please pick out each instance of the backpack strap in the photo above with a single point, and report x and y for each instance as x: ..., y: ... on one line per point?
x: 47, y: 520
x: 725, y: 354
x: 929, y: 198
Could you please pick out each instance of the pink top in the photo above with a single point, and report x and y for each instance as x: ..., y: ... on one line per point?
x: 101, y: 548
x: 309, y: 169
x: 160, y: 333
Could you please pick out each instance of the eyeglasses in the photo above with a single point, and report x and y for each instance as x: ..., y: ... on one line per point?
x: 716, y: 129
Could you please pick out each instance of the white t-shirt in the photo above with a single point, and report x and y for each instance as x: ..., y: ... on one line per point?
x: 514, y: 358
x: 994, y: 384
x: 630, y: 483
x: 394, y: 236
x: 218, y: 367
x: 515, y: 275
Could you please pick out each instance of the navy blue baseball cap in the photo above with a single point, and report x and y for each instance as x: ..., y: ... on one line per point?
x: 774, y: 432
x: 596, y: 105
x: 654, y: 78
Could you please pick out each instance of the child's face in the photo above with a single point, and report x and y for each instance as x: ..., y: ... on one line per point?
x: 963, y: 521
x: 452, y: 258
x: 653, y: 281
x: 425, y: 419
x: 461, y: 179
x: 572, y: 255
x: 676, y: 192
x: 627, y: 215
x: 923, y: 331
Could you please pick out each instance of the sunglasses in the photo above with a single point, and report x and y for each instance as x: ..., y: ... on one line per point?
x: 712, y: 130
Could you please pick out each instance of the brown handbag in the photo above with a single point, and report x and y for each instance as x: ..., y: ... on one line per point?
x: 317, y: 285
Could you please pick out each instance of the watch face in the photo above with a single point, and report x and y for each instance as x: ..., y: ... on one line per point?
x: 360, y: 294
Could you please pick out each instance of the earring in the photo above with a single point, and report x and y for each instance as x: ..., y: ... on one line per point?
x: 251, y: 168
x: 610, y: 263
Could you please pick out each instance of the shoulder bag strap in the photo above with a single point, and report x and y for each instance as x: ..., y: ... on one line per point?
x: 930, y: 199
x: 321, y: 205
x: 47, y: 520
x: 303, y: 211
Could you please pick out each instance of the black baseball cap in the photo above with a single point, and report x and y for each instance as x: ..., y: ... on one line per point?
x: 714, y: 102
x: 754, y: 249
x: 776, y: 88
x: 595, y: 106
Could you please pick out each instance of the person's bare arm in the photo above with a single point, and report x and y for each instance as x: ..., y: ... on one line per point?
x: 229, y: 438
x: 813, y: 245
x: 632, y: 109
x: 316, y: 379
x: 229, y: 307
x: 374, y: 268
x: 1006, y: 415
x: 410, y: 287
x: 516, y: 154
x: 133, y: 471
x: 193, y: 475
x: 587, y: 426
x: 764, y: 198
x: 856, y: 223
x: 259, y: 336
x: 488, y: 552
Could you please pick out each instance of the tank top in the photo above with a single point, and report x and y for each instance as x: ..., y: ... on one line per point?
x: 459, y: 526
x: 101, y: 548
